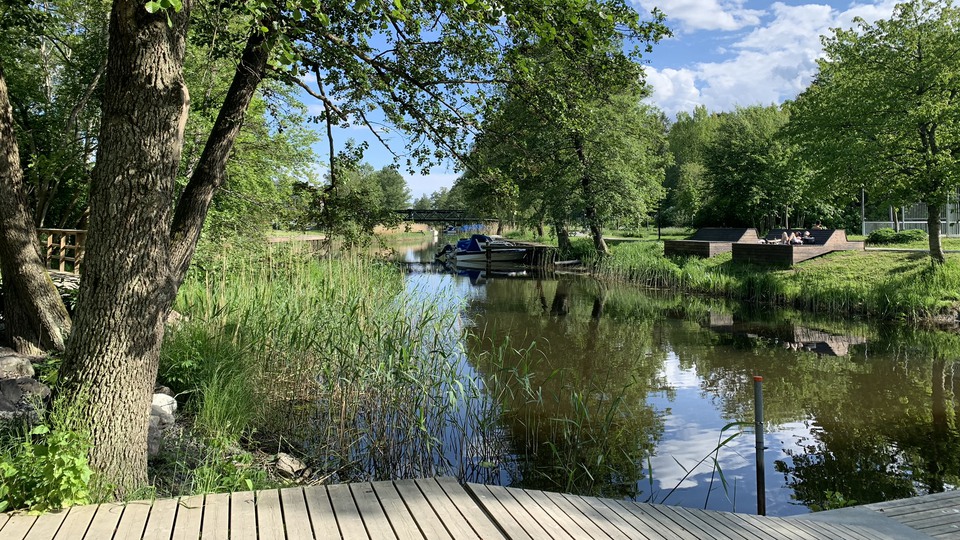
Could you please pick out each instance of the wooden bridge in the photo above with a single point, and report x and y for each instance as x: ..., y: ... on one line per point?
x: 443, y: 509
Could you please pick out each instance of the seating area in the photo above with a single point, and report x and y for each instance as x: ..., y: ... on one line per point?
x: 709, y: 241
x: 825, y: 241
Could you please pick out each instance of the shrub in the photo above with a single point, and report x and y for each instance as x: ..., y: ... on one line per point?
x: 887, y: 235
x: 45, y: 467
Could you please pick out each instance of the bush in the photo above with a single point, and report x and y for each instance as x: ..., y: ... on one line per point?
x: 45, y: 468
x: 887, y: 235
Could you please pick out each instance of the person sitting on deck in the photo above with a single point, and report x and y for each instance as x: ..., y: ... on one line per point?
x: 808, y: 238
x: 795, y: 239
x: 818, y: 226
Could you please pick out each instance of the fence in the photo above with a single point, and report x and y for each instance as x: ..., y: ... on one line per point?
x: 64, y: 249
x: 915, y: 217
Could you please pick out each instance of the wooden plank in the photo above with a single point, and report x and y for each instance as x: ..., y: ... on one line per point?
x: 504, y: 518
x: 404, y: 526
x: 295, y: 514
x: 782, y: 528
x: 693, y: 527
x: 105, y: 521
x: 639, y: 520
x: 133, y: 520
x: 189, y: 518
x: 589, y: 520
x: 17, y: 527
x: 452, y: 519
x: 76, y: 523
x: 950, y: 530
x: 427, y: 519
x: 469, y: 509
x: 322, y: 518
x: 916, y: 501
x: 374, y: 519
x: 269, y: 515
x: 932, y: 518
x: 654, y: 520
x: 3, y: 520
x: 526, y: 502
x: 216, y: 517
x: 902, y: 512
x: 567, y: 522
x: 162, y: 516
x: 46, y: 526
x: 600, y: 512
x: 714, y: 522
x: 348, y: 516
x: 243, y: 516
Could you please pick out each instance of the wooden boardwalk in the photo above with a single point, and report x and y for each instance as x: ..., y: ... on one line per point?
x: 936, y: 515
x: 441, y: 509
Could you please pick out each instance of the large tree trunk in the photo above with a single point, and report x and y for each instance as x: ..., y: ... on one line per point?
x: 210, y: 172
x: 589, y: 198
x: 34, y: 315
x: 933, y: 230
x: 563, y: 236
x: 111, y: 360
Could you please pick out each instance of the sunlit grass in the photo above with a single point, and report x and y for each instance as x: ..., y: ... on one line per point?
x: 896, y: 285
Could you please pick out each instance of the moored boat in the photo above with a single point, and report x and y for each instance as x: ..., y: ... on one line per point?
x: 481, y: 247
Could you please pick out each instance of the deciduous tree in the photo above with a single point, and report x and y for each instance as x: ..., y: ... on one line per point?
x: 884, y: 111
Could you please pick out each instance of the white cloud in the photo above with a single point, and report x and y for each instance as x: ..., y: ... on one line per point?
x: 695, y: 15
x: 770, y: 63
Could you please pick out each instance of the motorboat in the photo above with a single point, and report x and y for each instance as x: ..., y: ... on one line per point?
x: 482, y: 247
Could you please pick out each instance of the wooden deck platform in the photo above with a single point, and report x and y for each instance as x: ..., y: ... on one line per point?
x: 442, y: 508
x: 826, y: 241
x: 709, y: 241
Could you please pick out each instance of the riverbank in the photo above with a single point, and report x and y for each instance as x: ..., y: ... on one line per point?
x: 885, y: 285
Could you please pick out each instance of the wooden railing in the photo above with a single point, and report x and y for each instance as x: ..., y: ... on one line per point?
x: 64, y: 248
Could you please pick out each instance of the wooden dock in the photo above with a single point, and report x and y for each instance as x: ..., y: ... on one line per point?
x: 443, y: 509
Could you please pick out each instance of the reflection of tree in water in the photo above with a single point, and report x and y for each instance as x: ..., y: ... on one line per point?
x: 576, y: 411
x: 883, y: 418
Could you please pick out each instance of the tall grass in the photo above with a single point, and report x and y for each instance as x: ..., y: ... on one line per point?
x: 331, y: 357
x: 365, y: 379
x: 873, y: 284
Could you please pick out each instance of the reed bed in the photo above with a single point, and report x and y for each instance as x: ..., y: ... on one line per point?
x: 881, y: 285
x: 364, y: 378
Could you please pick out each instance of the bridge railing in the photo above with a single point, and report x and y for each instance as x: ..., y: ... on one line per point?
x: 64, y: 249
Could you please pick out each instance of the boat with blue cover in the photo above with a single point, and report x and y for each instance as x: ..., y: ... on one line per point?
x: 477, y: 246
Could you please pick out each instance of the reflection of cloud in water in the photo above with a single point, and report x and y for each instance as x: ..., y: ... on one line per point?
x: 687, y: 441
x: 677, y: 377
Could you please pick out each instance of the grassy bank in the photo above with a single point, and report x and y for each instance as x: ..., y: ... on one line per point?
x: 888, y: 285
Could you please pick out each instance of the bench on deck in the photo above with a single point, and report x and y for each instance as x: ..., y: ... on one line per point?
x: 825, y: 241
x: 709, y: 241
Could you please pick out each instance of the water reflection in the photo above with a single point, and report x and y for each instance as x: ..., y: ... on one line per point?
x: 613, y: 391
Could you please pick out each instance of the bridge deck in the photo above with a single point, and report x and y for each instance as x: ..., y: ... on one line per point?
x: 436, y: 508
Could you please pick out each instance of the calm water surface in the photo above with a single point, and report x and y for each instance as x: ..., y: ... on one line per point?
x: 628, y: 393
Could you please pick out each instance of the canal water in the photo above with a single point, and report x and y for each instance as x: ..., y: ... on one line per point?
x: 610, y: 390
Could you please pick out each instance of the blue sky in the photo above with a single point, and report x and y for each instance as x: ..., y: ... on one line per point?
x: 724, y: 53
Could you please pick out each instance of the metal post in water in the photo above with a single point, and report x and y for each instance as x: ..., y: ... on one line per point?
x: 758, y: 429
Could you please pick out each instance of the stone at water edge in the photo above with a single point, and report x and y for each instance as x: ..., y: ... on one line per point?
x: 289, y: 466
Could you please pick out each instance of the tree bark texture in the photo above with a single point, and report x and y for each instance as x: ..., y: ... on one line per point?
x: 589, y: 198
x: 34, y: 315
x: 933, y: 232
x: 210, y: 172
x: 112, y: 358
